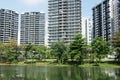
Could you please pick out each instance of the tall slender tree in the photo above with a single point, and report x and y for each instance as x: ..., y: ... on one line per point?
x: 77, y: 47
x: 100, y: 48
x: 58, y: 49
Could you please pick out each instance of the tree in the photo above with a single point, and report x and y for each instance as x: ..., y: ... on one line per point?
x: 100, y: 48
x: 115, y: 42
x: 11, y: 51
x: 41, y: 51
x: 58, y: 49
x: 88, y: 51
x: 32, y: 51
x: 76, y: 48
x: 27, y: 49
x: 48, y: 53
x: 2, y: 48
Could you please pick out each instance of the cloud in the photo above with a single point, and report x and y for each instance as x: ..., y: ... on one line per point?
x: 32, y: 2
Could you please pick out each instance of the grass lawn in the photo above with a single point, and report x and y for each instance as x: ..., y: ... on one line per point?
x: 51, y: 63
x: 100, y: 65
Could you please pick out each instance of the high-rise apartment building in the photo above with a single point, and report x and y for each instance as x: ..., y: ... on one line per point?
x: 115, y: 11
x: 106, y: 19
x: 64, y: 20
x: 32, y: 28
x: 87, y: 29
x: 8, y: 25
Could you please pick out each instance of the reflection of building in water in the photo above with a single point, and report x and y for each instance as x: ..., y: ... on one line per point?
x: 110, y: 72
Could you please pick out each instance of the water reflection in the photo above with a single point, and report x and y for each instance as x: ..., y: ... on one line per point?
x: 57, y: 73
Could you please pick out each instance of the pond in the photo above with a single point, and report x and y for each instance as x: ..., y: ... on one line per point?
x: 31, y: 72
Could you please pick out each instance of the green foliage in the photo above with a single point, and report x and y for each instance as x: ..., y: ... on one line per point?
x: 41, y: 51
x: 30, y: 62
x: 27, y: 49
x: 9, y: 51
x: 116, y: 44
x: 100, y: 48
x: 2, y: 48
x: 76, y: 48
x: 35, y: 52
x: 48, y: 54
x: 58, y: 49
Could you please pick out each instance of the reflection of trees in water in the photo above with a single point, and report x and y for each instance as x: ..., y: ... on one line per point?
x: 35, y: 73
x: 64, y: 73
x: 74, y: 73
x: 22, y: 73
x: 117, y: 73
x: 57, y: 73
x: 113, y: 73
x: 99, y: 74
x: 7, y: 73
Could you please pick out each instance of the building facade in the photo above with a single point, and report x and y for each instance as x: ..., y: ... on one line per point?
x: 8, y: 25
x: 32, y: 28
x: 115, y: 14
x: 64, y: 20
x: 106, y: 19
x: 87, y: 30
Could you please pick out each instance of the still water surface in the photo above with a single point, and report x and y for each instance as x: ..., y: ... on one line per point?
x: 57, y: 73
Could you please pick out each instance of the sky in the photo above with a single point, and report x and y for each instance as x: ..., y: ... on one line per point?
x: 22, y: 6
x: 42, y: 5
